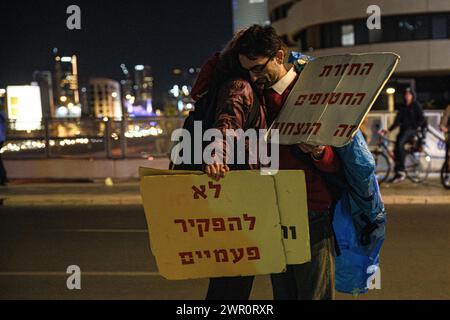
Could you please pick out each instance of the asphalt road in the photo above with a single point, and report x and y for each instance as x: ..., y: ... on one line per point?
x: 110, y: 245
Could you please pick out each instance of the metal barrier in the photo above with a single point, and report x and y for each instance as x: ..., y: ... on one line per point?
x: 378, y: 119
x: 433, y: 144
x: 90, y: 138
x: 136, y: 138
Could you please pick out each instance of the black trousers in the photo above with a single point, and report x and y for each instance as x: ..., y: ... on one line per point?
x: 3, y: 177
x: 313, y: 280
x: 230, y: 288
x: 399, y: 152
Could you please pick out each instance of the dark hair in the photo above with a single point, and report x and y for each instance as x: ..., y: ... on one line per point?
x: 411, y: 90
x: 228, y: 65
x: 260, y: 41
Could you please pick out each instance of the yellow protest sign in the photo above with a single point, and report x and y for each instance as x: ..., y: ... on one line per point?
x: 202, y: 228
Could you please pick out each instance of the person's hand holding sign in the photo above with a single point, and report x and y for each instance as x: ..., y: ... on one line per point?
x: 316, y: 152
x: 216, y: 171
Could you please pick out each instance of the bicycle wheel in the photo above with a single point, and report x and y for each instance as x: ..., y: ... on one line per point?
x: 445, y: 174
x: 417, y: 166
x: 382, y: 166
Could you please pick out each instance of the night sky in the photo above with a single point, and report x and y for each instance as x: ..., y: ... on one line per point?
x: 162, y: 33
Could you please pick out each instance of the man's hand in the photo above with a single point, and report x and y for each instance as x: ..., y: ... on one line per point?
x: 216, y: 171
x: 382, y: 132
x: 316, y: 151
x: 444, y: 129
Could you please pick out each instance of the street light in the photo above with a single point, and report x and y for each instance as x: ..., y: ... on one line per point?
x: 390, y: 90
x: 391, y: 103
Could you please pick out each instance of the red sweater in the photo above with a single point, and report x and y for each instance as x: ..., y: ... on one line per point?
x: 318, y: 194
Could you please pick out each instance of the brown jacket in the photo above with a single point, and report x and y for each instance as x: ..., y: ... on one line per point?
x: 234, y: 103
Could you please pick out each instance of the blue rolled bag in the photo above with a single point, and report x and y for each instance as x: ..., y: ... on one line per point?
x: 359, y: 215
x: 359, y: 219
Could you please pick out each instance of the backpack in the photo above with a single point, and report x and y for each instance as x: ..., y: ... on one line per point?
x: 205, y: 112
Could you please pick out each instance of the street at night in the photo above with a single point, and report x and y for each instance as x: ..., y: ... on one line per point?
x: 110, y: 245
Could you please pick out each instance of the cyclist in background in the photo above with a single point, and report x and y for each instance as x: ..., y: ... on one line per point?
x: 410, y: 118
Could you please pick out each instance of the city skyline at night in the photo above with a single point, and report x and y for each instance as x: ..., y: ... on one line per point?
x: 136, y: 32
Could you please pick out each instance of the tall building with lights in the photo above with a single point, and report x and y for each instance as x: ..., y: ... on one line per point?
x: 248, y: 12
x: 143, y: 84
x: 104, y: 98
x: 67, y: 97
x: 137, y: 91
x: 138, y: 95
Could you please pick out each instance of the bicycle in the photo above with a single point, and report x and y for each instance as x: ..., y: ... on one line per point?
x: 445, y: 170
x: 417, y: 160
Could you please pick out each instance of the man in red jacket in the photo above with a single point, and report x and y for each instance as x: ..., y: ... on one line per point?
x: 262, y: 54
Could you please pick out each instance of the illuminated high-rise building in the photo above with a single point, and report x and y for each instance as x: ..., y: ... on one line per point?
x: 249, y: 12
x: 143, y: 82
x: 143, y: 88
x: 137, y: 90
x: 67, y: 97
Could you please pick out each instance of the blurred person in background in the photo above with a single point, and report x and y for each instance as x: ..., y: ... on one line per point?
x: 410, y: 118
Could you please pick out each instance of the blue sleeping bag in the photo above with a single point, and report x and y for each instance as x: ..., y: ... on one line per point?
x: 359, y: 219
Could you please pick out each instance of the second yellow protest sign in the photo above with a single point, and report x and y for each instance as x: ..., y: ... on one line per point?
x: 202, y: 228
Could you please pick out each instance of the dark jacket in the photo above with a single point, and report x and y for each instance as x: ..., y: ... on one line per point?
x: 409, y: 117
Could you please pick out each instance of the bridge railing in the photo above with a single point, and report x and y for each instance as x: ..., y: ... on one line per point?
x: 90, y: 138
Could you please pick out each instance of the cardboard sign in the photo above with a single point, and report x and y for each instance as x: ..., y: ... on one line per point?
x: 332, y: 96
x: 244, y: 224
